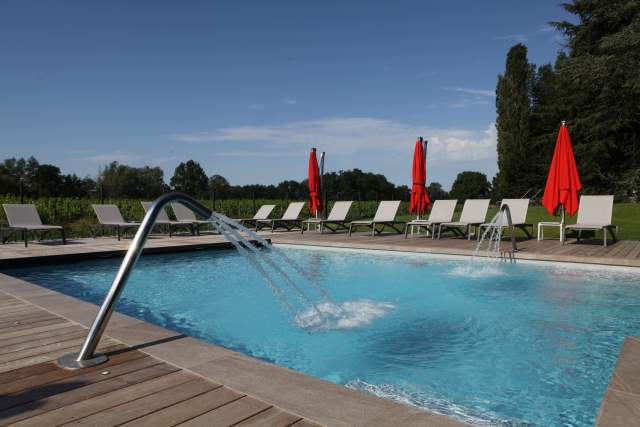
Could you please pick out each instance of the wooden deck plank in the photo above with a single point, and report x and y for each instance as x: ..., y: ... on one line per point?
x: 230, y: 414
x: 28, y: 326
x: 119, y: 376
x: 75, y: 413
x: 272, y: 417
x: 26, y: 339
x: 43, y: 349
x: 148, y: 404
x: 34, y: 343
x: 188, y: 409
x: 36, y: 329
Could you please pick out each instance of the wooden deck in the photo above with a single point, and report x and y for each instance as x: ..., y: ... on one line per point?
x: 132, y: 388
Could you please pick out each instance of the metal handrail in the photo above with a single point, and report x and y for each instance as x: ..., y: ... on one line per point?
x: 514, y: 245
x: 86, y: 356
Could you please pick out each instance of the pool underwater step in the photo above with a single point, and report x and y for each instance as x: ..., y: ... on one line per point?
x: 146, y: 379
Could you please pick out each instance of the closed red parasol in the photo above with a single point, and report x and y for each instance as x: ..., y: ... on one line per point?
x: 563, y: 182
x: 419, y: 198
x: 315, y: 201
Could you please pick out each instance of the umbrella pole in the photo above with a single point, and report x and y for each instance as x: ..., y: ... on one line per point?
x: 321, y: 183
x: 562, y: 224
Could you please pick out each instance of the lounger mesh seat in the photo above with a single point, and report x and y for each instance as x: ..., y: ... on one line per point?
x: 337, y: 218
x: 595, y: 213
x: 25, y: 218
x: 262, y: 214
x: 442, y: 211
x: 474, y: 213
x: 385, y: 216
x: 518, y: 209
x: 289, y: 219
x: 109, y: 216
x: 187, y: 216
x: 163, y: 220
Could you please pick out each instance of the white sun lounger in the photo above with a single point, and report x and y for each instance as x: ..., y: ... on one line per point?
x: 25, y: 218
x: 474, y: 213
x: 109, y: 216
x: 289, y: 219
x: 337, y: 218
x: 385, y: 215
x: 518, y: 209
x: 595, y: 213
x: 187, y: 216
x: 163, y: 220
x: 442, y: 211
x: 262, y: 214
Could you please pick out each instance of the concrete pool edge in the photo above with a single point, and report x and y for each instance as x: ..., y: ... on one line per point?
x: 312, y: 398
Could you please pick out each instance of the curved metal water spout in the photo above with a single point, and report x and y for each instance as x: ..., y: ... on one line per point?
x: 512, y: 232
x: 86, y: 356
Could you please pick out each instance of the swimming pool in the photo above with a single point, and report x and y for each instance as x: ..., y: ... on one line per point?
x: 512, y: 344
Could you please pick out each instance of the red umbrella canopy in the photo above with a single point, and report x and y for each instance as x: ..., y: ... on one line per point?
x: 563, y: 182
x: 419, y: 198
x: 315, y: 201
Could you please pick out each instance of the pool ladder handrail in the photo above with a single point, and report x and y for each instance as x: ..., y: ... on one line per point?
x: 87, y: 357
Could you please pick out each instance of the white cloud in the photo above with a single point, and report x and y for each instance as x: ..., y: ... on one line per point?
x: 256, y: 107
x: 515, y: 37
x: 350, y: 135
x: 472, y: 91
x: 290, y: 101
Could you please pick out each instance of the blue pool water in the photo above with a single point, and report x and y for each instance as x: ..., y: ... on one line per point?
x: 513, y: 344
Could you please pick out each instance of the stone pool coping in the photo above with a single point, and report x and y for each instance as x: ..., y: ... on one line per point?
x: 312, y: 398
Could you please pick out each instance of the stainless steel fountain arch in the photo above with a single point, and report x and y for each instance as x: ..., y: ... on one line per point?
x: 512, y: 231
x: 86, y: 356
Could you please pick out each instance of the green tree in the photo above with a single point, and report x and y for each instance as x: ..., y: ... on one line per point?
x: 603, y: 81
x: 436, y: 192
x: 516, y: 163
x: 190, y: 178
x: 126, y: 181
x: 470, y: 185
x: 219, y: 186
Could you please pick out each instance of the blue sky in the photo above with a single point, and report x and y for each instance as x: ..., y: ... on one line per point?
x: 248, y: 87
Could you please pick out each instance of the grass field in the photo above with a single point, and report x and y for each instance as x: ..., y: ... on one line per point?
x: 77, y: 214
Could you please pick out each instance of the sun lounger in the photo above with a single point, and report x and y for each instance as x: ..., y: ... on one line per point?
x: 25, y: 218
x: 336, y: 220
x: 518, y: 209
x: 187, y: 216
x: 262, y: 214
x: 385, y: 216
x: 442, y: 211
x: 595, y: 213
x: 109, y: 216
x: 288, y: 221
x: 163, y: 220
x: 474, y: 212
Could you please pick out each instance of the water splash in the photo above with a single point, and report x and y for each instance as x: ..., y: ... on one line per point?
x: 348, y: 315
x: 310, y: 306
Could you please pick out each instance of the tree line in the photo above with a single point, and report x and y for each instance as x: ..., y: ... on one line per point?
x: 594, y: 85
x: 33, y: 179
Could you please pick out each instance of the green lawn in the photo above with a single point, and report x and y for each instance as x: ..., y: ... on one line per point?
x: 625, y: 215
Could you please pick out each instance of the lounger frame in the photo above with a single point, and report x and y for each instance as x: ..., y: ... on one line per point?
x: 385, y: 216
x: 474, y: 213
x: 24, y: 218
x: 337, y: 219
x: 289, y: 219
x: 595, y: 213
x: 109, y: 217
x: 518, y: 209
x: 442, y: 211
